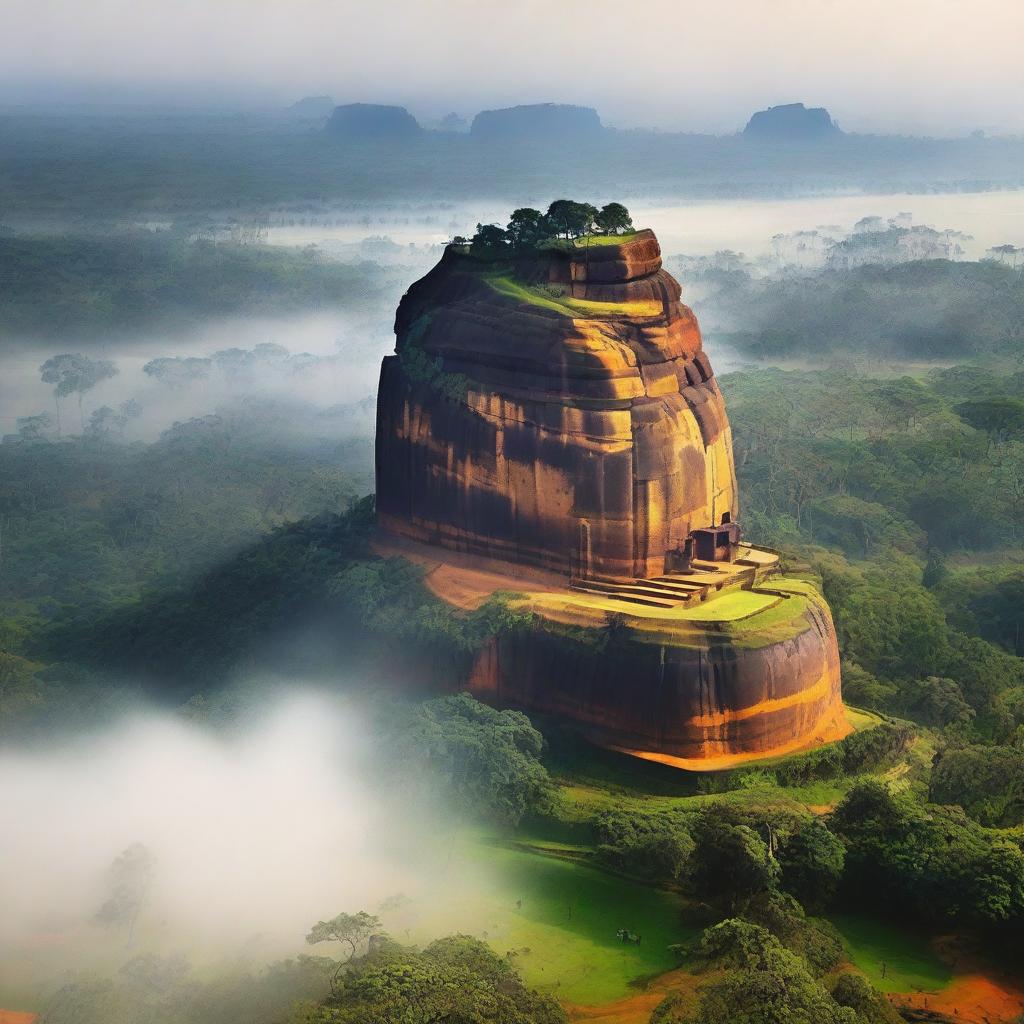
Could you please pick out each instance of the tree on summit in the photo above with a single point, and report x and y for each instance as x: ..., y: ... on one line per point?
x: 565, y: 218
x: 572, y: 219
x: 527, y: 227
x: 489, y: 239
x: 613, y: 218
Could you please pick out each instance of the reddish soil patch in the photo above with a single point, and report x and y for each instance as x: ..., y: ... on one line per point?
x: 638, y: 1009
x: 631, y: 1010
x: 17, y: 1017
x: 976, y: 995
x: 971, y: 998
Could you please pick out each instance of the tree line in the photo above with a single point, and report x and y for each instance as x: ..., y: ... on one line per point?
x: 92, y: 285
x: 565, y: 219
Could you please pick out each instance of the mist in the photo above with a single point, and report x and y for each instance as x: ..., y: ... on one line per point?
x: 681, y: 66
x: 334, y: 366
x: 254, y: 834
x: 330, y: 380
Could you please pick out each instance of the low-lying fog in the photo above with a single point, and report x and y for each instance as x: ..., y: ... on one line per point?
x: 347, y: 347
x: 345, y: 364
x: 695, y: 228
x: 247, y: 838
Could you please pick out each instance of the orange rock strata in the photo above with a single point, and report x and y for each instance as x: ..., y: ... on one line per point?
x: 709, y: 704
x: 582, y: 440
x: 555, y: 418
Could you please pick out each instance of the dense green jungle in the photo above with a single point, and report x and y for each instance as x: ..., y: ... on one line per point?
x: 186, y: 516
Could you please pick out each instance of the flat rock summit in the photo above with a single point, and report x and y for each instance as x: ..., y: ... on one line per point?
x: 791, y: 122
x: 551, y: 121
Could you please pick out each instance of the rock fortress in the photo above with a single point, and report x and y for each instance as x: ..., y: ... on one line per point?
x: 550, y: 429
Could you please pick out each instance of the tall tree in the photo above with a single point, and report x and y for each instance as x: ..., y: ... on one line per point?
x: 178, y: 371
x: 350, y: 930
x: 131, y: 876
x: 527, y: 227
x: 1000, y: 418
x: 73, y: 373
x: 613, y: 218
x: 570, y: 218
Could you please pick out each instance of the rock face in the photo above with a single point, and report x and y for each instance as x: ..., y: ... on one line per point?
x: 373, y: 121
x: 551, y: 427
x: 719, y: 699
x: 791, y: 122
x: 559, y: 412
x: 536, y: 121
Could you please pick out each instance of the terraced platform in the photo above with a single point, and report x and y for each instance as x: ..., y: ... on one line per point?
x: 684, y: 588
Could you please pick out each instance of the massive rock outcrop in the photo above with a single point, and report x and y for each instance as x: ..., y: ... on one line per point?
x: 725, y: 696
x: 558, y: 410
x: 551, y: 426
x: 372, y: 121
x: 542, y: 121
x: 791, y: 122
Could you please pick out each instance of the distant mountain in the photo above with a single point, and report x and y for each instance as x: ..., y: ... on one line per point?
x: 791, y: 122
x: 453, y: 123
x: 312, y: 107
x: 536, y: 121
x: 373, y: 121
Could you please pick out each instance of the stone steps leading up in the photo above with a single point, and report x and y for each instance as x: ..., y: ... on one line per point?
x: 650, y: 602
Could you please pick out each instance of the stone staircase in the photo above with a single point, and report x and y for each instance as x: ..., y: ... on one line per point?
x: 677, y: 589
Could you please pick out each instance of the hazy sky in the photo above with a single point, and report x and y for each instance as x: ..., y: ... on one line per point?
x: 937, y: 66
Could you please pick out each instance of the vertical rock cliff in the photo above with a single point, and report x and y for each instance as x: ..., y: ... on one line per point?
x: 556, y: 410
x: 550, y: 424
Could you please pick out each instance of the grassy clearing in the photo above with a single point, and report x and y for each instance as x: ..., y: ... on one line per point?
x: 557, y: 917
x: 599, y: 240
x: 538, y: 898
x: 566, y: 305
x: 861, y: 719
x: 894, y: 958
x: 750, y: 619
x: 735, y: 604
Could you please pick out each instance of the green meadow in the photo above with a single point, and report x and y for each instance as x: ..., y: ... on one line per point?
x: 555, y: 917
x: 894, y: 958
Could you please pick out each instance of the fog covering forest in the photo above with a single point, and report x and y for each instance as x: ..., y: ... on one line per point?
x: 222, y: 715
x: 131, y: 165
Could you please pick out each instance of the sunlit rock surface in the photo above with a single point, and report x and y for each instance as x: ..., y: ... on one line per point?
x: 551, y: 426
x: 710, y: 697
x: 586, y: 432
